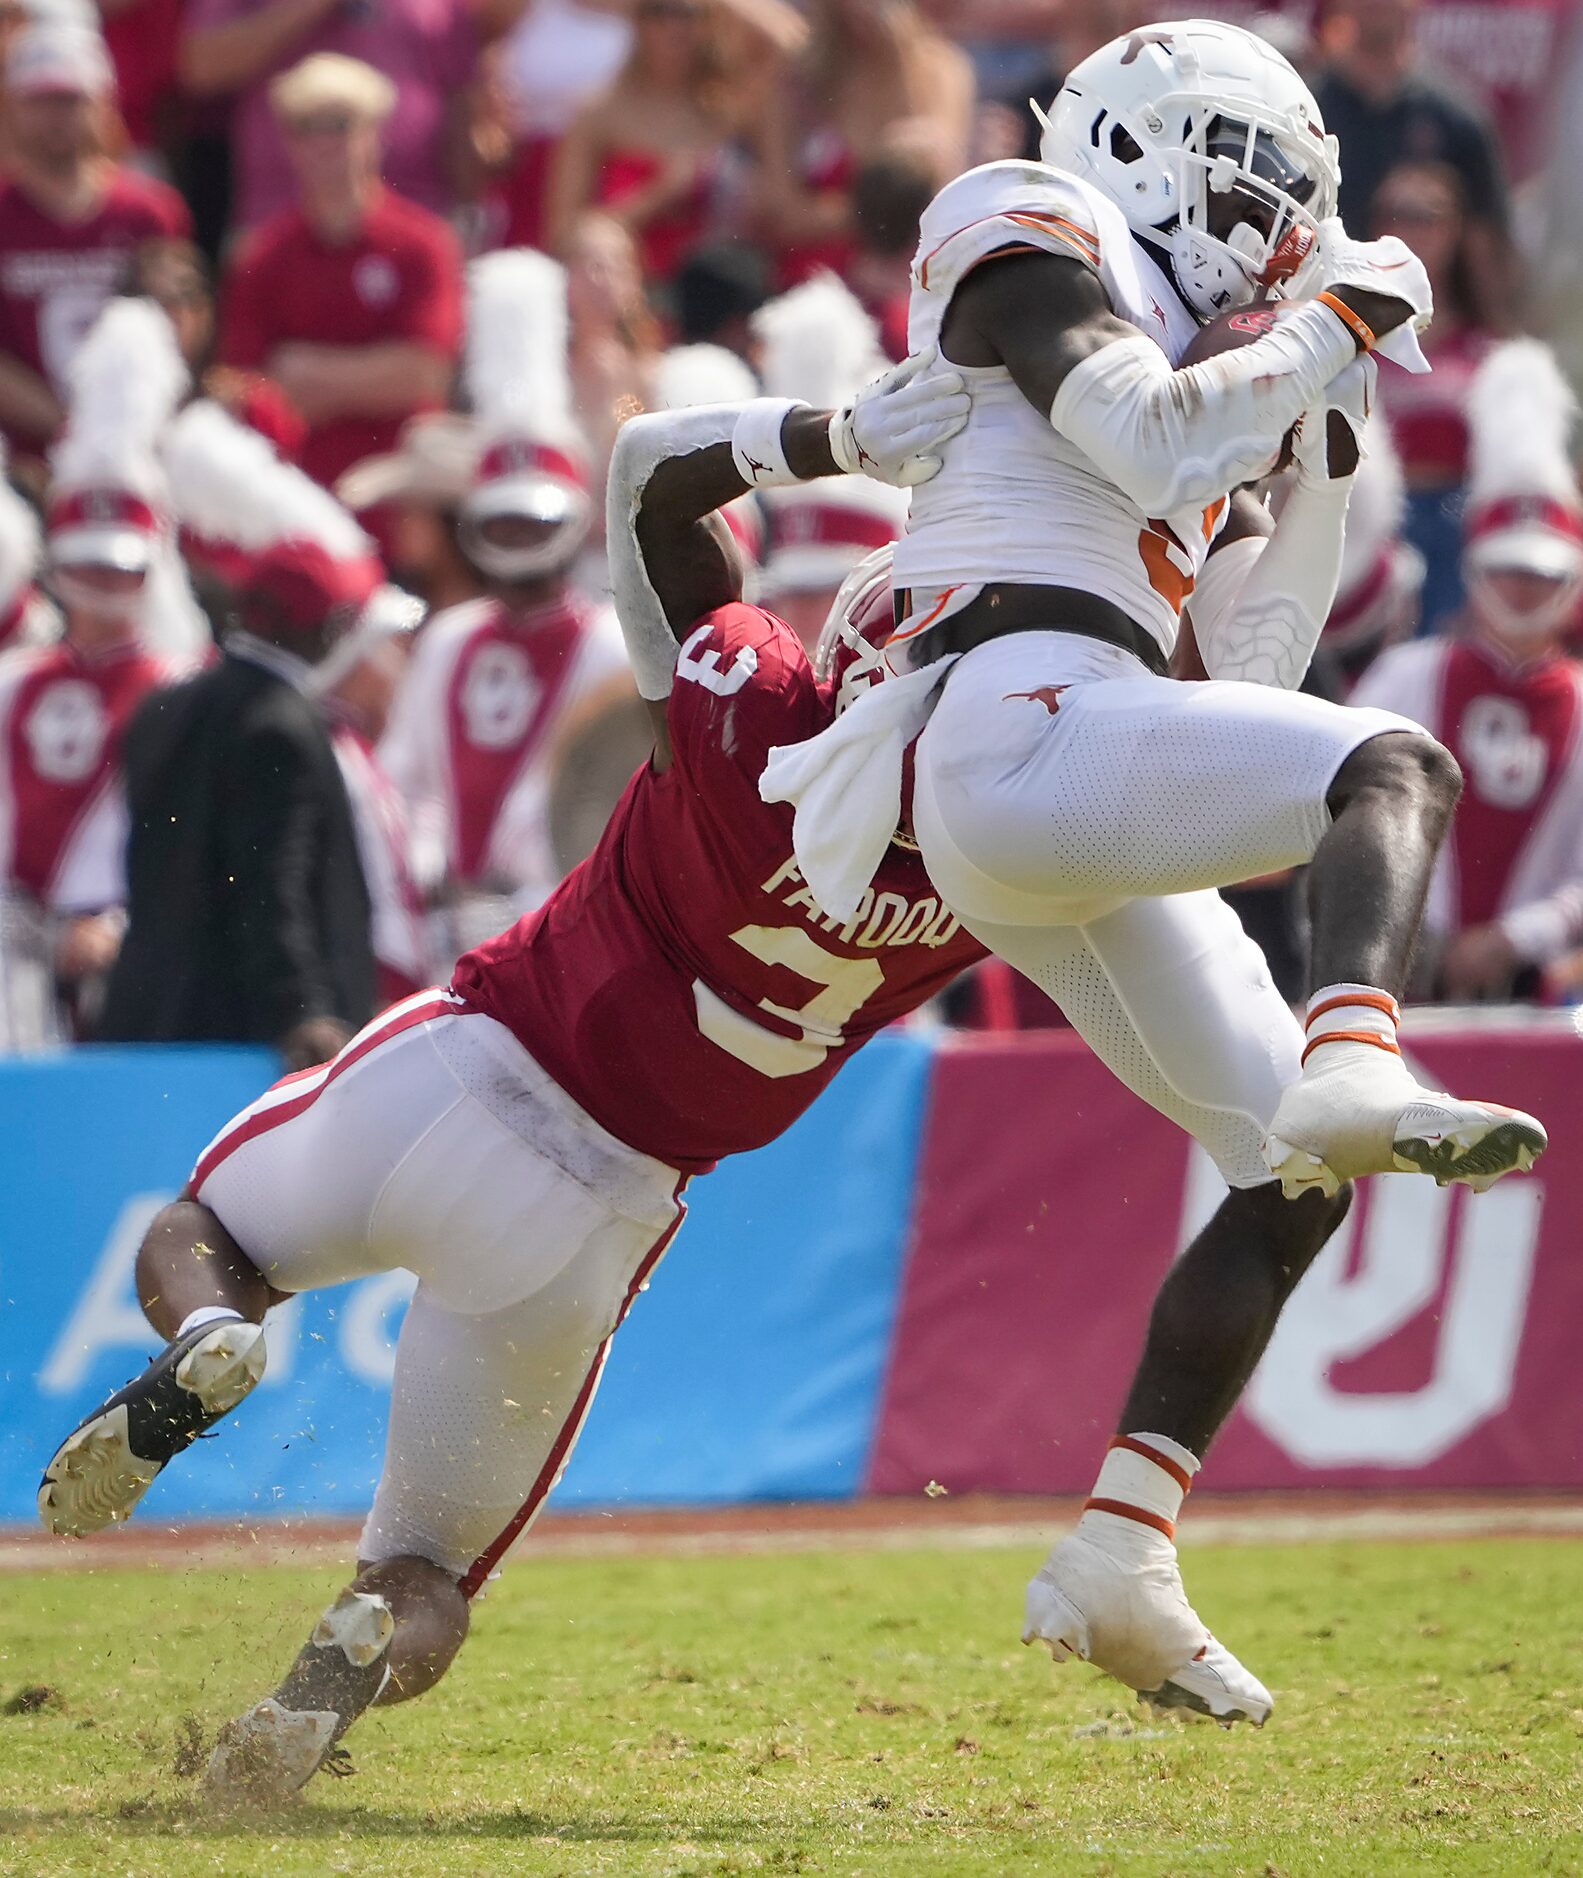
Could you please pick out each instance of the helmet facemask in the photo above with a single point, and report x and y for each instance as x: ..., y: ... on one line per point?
x: 1252, y: 196
x: 850, y: 652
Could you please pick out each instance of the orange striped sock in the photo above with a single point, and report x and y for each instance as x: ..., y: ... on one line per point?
x: 1144, y: 1478
x: 1353, y: 1014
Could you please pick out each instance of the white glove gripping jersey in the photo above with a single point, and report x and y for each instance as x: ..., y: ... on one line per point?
x: 1015, y: 501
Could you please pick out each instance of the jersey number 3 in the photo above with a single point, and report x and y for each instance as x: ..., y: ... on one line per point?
x: 846, y: 985
x: 703, y: 668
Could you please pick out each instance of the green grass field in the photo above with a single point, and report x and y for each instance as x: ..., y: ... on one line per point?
x: 852, y: 1712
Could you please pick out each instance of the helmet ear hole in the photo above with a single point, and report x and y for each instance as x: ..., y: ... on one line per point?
x: 1124, y: 147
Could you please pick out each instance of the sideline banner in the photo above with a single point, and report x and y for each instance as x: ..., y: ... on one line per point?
x: 750, y: 1369
x: 1433, y: 1344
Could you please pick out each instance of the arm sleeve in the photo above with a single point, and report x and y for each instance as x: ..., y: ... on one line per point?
x: 1260, y: 606
x: 642, y: 444
x: 1180, y: 439
x: 269, y: 837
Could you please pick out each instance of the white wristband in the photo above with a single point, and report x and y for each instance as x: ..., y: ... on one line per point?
x: 756, y: 446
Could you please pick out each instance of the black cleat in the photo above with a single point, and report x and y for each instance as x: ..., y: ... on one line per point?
x: 107, y: 1463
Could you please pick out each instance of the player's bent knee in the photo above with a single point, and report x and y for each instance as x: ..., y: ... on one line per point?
x: 432, y: 1618
x: 1410, y: 765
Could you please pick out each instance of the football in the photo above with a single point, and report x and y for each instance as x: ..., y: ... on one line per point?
x: 1226, y: 332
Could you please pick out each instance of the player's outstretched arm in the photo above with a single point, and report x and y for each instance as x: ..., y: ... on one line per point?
x: 672, y: 559
x: 1169, y: 439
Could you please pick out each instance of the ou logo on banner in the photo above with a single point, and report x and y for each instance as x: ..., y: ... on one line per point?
x: 1388, y: 1264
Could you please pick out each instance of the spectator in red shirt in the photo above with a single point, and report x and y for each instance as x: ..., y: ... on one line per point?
x: 70, y: 221
x: 352, y: 300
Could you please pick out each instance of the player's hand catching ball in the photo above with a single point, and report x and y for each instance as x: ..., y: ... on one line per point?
x: 1327, y: 444
x: 1384, y: 282
x: 894, y: 428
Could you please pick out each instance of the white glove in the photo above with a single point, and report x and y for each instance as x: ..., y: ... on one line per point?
x: 894, y: 427
x: 1387, y: 266
x: 1350, y: 395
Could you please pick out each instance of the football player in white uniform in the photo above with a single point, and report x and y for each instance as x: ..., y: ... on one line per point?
x: 1078, y: 809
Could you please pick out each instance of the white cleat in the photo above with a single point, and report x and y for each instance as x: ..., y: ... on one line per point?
x: 1125, y: 1612
x: 1347, y: 1116
x: 267, y: 1755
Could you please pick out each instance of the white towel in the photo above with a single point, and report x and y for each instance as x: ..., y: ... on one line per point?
x: 845, y: 785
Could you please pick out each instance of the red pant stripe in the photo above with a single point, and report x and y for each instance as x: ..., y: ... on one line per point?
x: 251, y: 1126
x: 475, y: 1575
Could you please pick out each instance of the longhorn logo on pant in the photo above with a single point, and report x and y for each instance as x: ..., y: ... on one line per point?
x: 1047, y: 695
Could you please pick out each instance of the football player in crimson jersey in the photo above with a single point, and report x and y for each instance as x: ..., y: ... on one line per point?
x: 521, y: 1139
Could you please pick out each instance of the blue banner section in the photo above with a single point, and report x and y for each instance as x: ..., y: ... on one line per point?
x: 751, y: 1367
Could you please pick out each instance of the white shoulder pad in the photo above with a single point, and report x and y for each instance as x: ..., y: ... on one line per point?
x: 1001, y: 205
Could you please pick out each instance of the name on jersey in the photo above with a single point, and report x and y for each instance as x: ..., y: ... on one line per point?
x: 881, y: 919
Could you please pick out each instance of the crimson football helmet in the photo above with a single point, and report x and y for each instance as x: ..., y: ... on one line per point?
x: 849, y: 653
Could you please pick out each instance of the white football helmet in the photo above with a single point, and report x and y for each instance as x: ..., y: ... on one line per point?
x: 1211, y: 146
x: 850, y: 650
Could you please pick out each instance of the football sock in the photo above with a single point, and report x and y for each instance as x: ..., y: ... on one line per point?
x: 207, y: 1314
x: 342, y: 1667
x: 1353, y: 1014
x: 1143, y: 1481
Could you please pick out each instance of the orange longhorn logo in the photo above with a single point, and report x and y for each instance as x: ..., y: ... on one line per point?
x: 1047, y: 695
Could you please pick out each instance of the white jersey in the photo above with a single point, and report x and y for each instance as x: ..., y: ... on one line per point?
x: 1015, y: 501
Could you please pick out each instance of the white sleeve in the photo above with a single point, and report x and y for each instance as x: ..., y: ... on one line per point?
x: 1260, y: 605
x: 1173, y: 439
x: 642, y: 444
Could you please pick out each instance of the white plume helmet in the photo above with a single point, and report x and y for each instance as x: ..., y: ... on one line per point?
x: 818, y: 344
x: 820, y: 531
x: 1523, y: 506
x: 267, y: 528
x: 702, y: 374
x: 108, y: 502
x: 229, y: 488
x: 108, y: 495
x: 533, y: 461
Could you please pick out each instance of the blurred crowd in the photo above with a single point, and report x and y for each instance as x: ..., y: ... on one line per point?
x: 317, y: 322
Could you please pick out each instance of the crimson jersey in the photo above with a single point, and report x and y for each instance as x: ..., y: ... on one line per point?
x: 681, y: 985
x: 1515, y: 855
x: 61, y: 717
x: 56, y: 276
